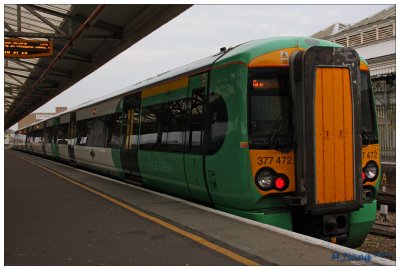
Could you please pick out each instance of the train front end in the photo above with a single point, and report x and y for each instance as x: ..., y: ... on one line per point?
x: 313, y: 142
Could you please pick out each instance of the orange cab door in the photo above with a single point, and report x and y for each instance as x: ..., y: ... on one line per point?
x: 333, y: 136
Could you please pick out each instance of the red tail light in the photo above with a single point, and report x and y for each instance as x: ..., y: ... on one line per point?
x: 280, y: 183
x: 363, y: 175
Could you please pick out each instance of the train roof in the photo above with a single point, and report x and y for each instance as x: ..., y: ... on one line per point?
x: 251, y: 49
x: 199, y: 65
x: 245, y: 52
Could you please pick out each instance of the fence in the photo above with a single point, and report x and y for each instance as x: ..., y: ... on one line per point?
x: 386, y: 118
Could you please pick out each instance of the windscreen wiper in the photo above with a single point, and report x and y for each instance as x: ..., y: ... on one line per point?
x: 280, y: 142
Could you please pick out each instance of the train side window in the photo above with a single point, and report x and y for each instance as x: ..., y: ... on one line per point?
x: 149, y: 127
x: 113, y: 122
x: 29, y: 136
x: 196, y: 122
x: 37, y: 135
x: 83, y: 128
x: 217, y: 121
x: 62, y: 134
x: 162, y: 127
x: 162, y: 115
x: 176, y: 126
x: 48, y: 135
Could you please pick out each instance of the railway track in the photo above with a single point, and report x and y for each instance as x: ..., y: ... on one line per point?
x: 387, y: 191
x: 388, y: 199
x: 383, y: 230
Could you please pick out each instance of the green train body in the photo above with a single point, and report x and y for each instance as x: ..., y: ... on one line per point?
x: 246, y: 131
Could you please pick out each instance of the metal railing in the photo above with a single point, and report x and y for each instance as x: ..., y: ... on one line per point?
x: 386, y: 118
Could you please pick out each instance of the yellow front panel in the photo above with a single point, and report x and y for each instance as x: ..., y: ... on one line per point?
x: 371, y: 152
x: 333, y: 136
x: 278, y: 58
x: 278, y: 161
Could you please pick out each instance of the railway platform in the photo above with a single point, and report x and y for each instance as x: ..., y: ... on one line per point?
x: 60, y: 215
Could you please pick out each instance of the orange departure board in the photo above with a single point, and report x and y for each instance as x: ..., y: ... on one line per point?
x: 23, y: 48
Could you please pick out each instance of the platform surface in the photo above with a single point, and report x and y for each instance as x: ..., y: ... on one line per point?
x: 59, y: 215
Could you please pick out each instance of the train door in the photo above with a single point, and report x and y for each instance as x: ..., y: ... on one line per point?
x: 194, y: 139
x: 327, y: 123
x: 130, y: 131
x: 43, y: 138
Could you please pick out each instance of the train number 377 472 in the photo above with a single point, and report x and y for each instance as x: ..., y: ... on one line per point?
x: 282, y: 160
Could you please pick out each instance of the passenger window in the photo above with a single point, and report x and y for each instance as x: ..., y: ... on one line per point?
x: 176, y: 126
x: 217, y: 123
x: 38, y: 136
x: 195, y: 134
x: 48, y: 135
x: 83, y: 128
x: 113, y: 123
x: 148, y: 128
x: 62, y: 134
x: 162, y: 127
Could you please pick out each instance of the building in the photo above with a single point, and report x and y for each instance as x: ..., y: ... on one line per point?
x: 36, y: 117
x: 374, y: 38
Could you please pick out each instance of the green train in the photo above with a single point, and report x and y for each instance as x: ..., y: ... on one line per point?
x: 280, y: 130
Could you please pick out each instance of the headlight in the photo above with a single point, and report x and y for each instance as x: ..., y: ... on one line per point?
x: 371, y: 171
x: 267, y: 179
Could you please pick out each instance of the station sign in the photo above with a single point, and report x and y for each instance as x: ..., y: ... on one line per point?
x: 23, y: 48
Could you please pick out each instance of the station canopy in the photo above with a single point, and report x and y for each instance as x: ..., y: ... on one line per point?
x: 83, y: 37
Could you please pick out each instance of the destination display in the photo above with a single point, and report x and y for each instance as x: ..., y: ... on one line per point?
x: 266, y: 84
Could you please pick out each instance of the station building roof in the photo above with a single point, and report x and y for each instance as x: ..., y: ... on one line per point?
x: 373, y: 37
x: 84, y: 38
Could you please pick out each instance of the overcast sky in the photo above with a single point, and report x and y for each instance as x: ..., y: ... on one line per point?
x: 201, y: 31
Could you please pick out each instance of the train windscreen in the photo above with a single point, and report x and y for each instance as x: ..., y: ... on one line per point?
x: 269, y: 109
x: 369, y: 133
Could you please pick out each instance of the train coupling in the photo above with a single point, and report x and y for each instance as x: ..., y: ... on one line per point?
x: 336, y: 224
